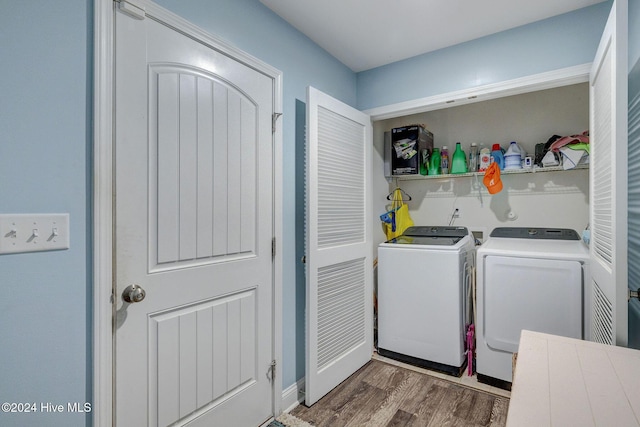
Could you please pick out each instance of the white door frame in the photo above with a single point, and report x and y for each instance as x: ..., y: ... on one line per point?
x: 103, y: 231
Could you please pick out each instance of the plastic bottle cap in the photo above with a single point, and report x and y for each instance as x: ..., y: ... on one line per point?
x: 495, y: 147
x: 444, y: 147
x: 473, y: 144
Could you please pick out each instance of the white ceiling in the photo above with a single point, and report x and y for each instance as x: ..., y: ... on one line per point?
x: 365, y: 34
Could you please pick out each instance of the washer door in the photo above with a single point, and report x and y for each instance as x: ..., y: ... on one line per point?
x: 535, y: 294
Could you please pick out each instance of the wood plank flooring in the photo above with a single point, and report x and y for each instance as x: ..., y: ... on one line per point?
x: 385, y: 395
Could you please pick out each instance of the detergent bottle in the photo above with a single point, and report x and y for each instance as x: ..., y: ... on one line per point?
x: 459, y: 160
x: 512, y: 159
x: 498, y: 156
x: 424, y: 161
x: 485, y: 159
x: 444, y: 163
x: 434, y: 162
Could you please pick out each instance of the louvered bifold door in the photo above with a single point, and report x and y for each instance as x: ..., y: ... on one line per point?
x: 339, y: 311
x: 634, y: 179
x: 607, y: 288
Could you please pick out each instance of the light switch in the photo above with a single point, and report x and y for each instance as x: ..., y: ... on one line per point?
x: 33, y: 232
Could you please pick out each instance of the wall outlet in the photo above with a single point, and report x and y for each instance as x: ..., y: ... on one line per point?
x: 33, y: 232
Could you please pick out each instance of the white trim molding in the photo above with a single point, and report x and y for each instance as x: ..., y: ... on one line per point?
x: 541, y: 81
x: 102, y: 408
x: 293, y: 395
x: 278, y: 183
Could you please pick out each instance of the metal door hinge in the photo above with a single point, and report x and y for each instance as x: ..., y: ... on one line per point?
x: 271, y: 372
x: 133, y: 10
x: 634, y: 294
x: 273, y: 247
x: 274, y: 119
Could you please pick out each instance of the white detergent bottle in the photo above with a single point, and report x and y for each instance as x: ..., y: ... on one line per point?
x: 512, y: 158
x: 485, y: 159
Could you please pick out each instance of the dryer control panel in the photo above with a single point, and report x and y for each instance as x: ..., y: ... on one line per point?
x: 535, y: 233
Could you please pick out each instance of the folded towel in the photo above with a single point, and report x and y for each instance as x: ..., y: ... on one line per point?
x: 549, y: 159
x: 573, y: 139
x: 571, y: 157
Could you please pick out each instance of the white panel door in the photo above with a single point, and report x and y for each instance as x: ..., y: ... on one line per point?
x: 608, y: 182
x: 339, y: 243
x: 194, y: 225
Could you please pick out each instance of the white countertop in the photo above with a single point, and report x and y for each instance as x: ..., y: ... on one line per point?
x: 568, y: 382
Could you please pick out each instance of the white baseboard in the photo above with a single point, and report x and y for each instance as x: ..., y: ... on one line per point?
x: 293, y: 395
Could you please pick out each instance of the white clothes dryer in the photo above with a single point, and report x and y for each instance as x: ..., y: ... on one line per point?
x: 527, y: 278
x: 424, y: 303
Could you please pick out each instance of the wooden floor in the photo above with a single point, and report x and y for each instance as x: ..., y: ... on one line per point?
x: 381, y: 394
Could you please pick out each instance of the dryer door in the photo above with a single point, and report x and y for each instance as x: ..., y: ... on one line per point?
x: 535, y: 294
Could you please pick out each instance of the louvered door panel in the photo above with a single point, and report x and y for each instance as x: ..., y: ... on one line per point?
x: 608, y: 183
x: 341, y: 310
x: 338, y: 243
x: 341, y: 187
x: 602, y: 317
x: 634, y: 178
x: 602, y: 164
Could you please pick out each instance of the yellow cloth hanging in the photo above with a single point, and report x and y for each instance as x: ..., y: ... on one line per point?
x: 400, y: 218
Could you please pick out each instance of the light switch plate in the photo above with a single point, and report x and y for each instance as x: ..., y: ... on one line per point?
x: 33, y: 232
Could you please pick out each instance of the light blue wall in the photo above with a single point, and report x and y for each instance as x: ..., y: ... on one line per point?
x: 562, y: 41
x: 45, y: 140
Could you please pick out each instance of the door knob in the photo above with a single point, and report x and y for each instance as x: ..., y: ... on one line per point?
x: 133, y: 293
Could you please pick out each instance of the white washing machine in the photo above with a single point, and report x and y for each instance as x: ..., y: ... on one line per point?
x: 424, y: 281
x: 527, y: 278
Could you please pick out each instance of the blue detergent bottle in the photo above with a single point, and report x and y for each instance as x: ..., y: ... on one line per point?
x: 498, y: 156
